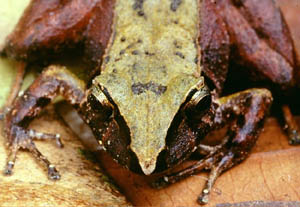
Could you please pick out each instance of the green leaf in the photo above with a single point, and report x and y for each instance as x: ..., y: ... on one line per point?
x: 8, y: 72
x: 10, y: 12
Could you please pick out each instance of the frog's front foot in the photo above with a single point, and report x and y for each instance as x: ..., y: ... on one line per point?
x: 245, y: 111
x: 217, y: 160
x: 55, y: 80
x: 23, y: 139
x: 294, y: 137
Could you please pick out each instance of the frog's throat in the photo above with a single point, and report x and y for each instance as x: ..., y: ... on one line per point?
x: 150, y: 66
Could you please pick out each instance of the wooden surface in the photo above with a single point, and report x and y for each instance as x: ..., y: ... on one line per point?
x: 82, y: 182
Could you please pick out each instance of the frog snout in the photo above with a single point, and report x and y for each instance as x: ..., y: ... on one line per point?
x: 148, y: 166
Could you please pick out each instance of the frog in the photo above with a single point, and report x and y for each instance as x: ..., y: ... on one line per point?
x: 161, y: 66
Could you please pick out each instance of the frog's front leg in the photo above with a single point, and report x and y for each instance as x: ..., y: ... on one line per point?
x: 55, y: 80
x: 245, y: 112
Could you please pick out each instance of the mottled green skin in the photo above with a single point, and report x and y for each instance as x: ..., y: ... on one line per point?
x: 150, y: 68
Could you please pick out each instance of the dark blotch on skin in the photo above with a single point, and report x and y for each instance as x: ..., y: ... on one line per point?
x: 149, y: 53
x: 130, y: 46
x: 122, y: 52
x: 134, y: 66
x: 179, y: 54
x: 106, y: 59
x: 138, y: 5
x: 139, y: 88
x: 135, y: 52
x: 141, y: 13
x: 176, y: 44
x: 175, y: 4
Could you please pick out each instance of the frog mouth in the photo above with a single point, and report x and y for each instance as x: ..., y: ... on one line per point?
x: 148, y: 166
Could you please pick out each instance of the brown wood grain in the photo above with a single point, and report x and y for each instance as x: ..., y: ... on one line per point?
x: 81, y: 182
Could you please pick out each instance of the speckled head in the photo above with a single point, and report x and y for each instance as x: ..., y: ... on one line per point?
x: 151, y: 66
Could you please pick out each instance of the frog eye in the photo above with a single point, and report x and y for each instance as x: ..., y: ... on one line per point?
x: 198, y: 104
x: 99, y: 102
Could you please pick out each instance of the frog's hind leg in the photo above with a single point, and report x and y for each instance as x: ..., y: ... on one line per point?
x: 245, y: 112
x: 272, y: 56
x: 55, y: 80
